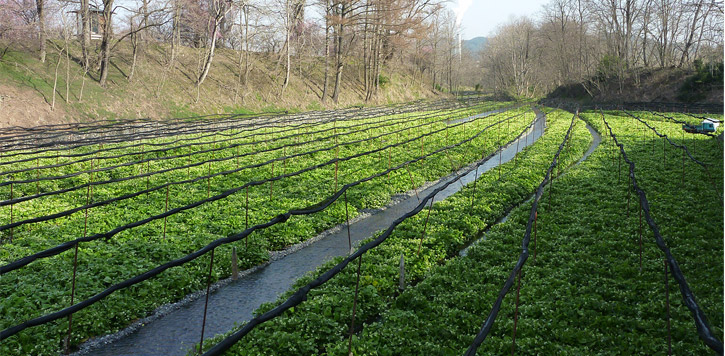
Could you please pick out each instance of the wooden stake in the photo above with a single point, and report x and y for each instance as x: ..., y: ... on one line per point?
x: 246, y: 214
x: 354, y: 306
x: 425, y: 226
x: 11, y: 210
x: 536, y: 216
x: 347, y: 219
x: 667, y: 301
x: 72, y: 300
x: 640, y: 235
x: 166, y: 209
x: 206, y: 302
x: 412, y: 182
x: 516, y: 313
x: 235, y: 264
x: 271, y: 183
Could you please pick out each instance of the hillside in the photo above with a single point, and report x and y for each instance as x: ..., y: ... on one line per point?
x: 670, y: 85
x: 475, y: 45
x: 157, y: 91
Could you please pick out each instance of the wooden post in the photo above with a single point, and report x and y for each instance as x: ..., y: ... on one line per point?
x: 412, y: 182
x: 516, y: 313
x: 619, y: 168
x: 11, y: 209
x: 208, y: 180
x: 37, y: 175
x: 206, y: 302
x: 664, y: 151
x: 246, y: 214
x: 166, y: 209
x: 640, y: 235
x: 401, y: 278
x: 271, y: 183
x: 667, y: 301
x: 235, y: 264
x: 425, y: 226
x: 683, y: 167
x: 72, y: 300
x: 536, y: 216
x: 354, y: 306
x: 500, y: 152
x: 347, y: 219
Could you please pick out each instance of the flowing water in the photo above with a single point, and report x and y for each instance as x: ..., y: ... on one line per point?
x: 176, y: 332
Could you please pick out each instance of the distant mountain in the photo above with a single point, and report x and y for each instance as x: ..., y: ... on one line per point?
x: 475, y: 44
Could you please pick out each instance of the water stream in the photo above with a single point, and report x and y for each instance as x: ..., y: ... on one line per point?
x: 596, y: 140
x: 176, y: 332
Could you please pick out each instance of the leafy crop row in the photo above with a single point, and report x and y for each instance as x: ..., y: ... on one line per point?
x: 320, y: 324
x: 584, y: 292
x: 44, y: 286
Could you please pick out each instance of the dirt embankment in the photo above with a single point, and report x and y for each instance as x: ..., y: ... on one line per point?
x: 662, y: 85
x: 22, y: 107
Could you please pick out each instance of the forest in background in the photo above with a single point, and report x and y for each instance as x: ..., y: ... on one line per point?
x: 205, y: 56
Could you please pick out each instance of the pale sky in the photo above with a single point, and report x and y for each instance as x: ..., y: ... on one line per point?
x: 481, y: 17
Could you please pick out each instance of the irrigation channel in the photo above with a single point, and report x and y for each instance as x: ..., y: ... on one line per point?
x: 596, y: 140
x: 176, y: 331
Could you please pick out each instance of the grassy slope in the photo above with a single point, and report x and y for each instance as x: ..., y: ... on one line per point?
x: 26, y: 86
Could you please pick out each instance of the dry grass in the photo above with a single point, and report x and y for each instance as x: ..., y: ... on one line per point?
x: 160, y: 91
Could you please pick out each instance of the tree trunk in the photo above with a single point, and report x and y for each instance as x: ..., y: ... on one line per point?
x: 210, y: 55
x: 288, y: 29
x: 338, y: 55
x: 55, y: 81
x: 688, y: 43
x: 326, y: 81
x: 106, y: 41
x: 85, y: 34
x: 134, y: 45
x: 41, y: 28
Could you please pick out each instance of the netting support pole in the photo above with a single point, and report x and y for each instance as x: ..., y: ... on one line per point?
x: 425, y: 226
x: 347, y: 218
x: 389, y: 162
x: 640, y: 235
x: 412, y: 182
x: 354, y: 306
x: 536, y: 216
x: 473, y: 192
x: 271, y: 182
x: 206, y: 302
x: 284, y: 161
x: 500, y: 152
x: 667, y: 302
x: 683, y: 168
x: 166, y: 209
x: 664, y: 151
x: 629, y: 192
x: 516, y: 314
x: 422, y: 149
x: 37, y: 175
x: 246, y: 214
x: 619, y: 168
x: 148, y: 170
x: 72, y: 299
x: 208, y: 180
x: 11, y: 210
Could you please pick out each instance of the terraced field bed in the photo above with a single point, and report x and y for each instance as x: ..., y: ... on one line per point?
x: 617, y: 253
x: 132, y: 196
